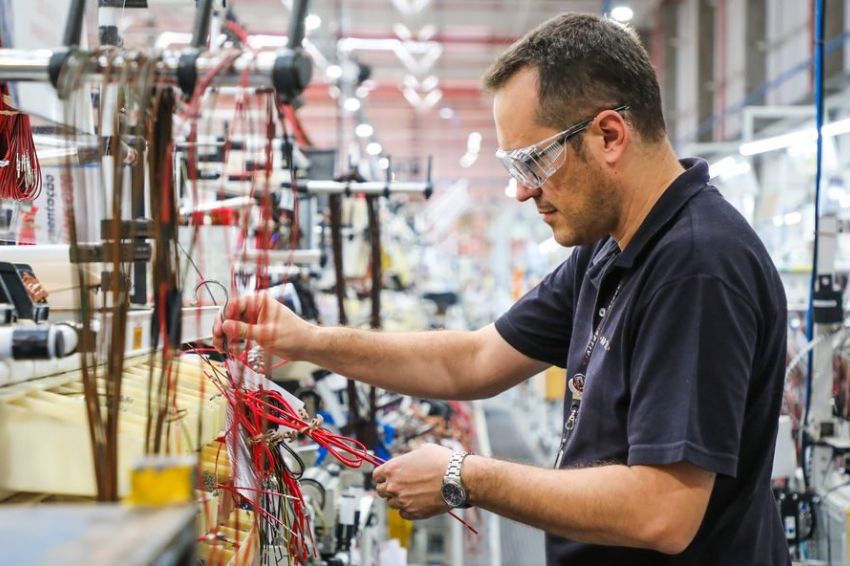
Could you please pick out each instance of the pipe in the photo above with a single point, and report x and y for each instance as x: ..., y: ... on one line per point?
x: 296, y: 24
x: 379, y: 188
x: 33, y: 66
x: 201, y: 28
x: 74, y: 24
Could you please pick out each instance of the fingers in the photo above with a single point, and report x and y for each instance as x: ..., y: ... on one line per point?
x: 218, y: 336
x: 235, y: 330
x: 231, y: 325
x: 241, y: 308
x: 384, y: 491
x: 248, y: 307
x: 380, y: 474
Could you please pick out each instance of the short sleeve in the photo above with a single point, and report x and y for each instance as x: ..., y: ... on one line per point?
x: 540, y: 323
x: 689, y: 375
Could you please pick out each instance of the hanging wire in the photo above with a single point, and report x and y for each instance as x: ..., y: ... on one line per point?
x: 820, y: 15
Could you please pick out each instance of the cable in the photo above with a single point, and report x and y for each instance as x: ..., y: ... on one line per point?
x: 820, y: 18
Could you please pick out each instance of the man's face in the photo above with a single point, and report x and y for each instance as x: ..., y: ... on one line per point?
x: 579, y: 202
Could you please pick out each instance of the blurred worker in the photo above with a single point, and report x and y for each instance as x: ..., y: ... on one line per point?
x: 668, y: 316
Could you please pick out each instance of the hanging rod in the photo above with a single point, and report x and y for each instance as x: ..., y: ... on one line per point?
x: 263, y: 69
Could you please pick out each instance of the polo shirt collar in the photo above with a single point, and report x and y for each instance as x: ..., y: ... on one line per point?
x: 681, y: 190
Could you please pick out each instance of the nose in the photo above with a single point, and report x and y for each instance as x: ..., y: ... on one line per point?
x: 524, y: 192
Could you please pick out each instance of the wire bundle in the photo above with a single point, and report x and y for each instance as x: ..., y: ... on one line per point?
x: 269, y: 406
x: 20, y: 171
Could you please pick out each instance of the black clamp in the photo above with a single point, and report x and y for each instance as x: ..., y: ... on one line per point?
x: 389, y: 178
x: 187, y: 72
x: 291, y: 74
x: 55, y: 65
x: 139, y: 228
x: 104, y: 253
x: 429, y: 184
x: 827, y: 302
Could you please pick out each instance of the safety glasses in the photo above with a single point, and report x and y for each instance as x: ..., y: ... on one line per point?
x: 531, y: 166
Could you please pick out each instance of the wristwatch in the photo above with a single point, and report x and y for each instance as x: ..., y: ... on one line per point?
x: 453, y: 491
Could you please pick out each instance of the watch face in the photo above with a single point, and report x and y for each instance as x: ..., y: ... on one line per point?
x: 453, y: 494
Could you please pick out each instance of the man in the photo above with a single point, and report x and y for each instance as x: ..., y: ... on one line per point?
x: 668, y: 316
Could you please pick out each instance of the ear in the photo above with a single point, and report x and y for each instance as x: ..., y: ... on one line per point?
x: 614, y: 132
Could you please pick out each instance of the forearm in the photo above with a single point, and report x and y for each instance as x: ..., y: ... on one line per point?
x: 436, y: 365
x: 611, y: 505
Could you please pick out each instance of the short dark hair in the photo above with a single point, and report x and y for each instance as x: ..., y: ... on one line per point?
x: 585, y: 63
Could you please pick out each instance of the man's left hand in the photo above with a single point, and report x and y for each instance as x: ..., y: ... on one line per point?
x: 412, y: 483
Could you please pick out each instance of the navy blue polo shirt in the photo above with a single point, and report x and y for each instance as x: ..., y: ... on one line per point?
x: 689, y: 366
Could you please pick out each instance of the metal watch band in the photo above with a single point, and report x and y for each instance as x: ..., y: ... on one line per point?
x: 455, y: 463
x: 453, y: 471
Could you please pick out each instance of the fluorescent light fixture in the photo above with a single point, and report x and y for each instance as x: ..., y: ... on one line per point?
x: 728, y: 167
x: 788, y: 219
x: 792, y: 218
x: 364, y: 130
x: 510, y: 190
x: 791, y: 139
x: 312, y: 22
x: 622, y: 14
x: 468, y: 159
x: 835, y: 189
x: 333, y: 72
x: 351, y: 104
x: 374, y: 148
x: 473, y: 143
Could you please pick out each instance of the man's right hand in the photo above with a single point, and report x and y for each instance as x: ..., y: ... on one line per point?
x: 261, y: 319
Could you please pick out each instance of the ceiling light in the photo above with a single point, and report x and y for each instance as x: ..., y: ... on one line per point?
x: 351, y: 104
x: 384, y: 163
x: 622, y: 14
x: 510, y: 190
x: 374, y: 148
x: 468, y: 160
x: 333, y: 72
x: 728, y: 167
x: 473, y: 144
x: 792, y: 218
x: 364, y: 130
x: 446, y: 113
x: 312, y: 22
x: 430, y: 83
x: 798, y: 138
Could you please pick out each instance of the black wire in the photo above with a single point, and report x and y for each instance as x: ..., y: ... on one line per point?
x: 297, y: 458
x: 319, y: 487
x: 204, y: 281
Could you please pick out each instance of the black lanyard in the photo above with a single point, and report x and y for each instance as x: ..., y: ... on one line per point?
x: 577, y: 382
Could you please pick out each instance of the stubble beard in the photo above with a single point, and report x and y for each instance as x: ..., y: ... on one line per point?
x: 593, y: 220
